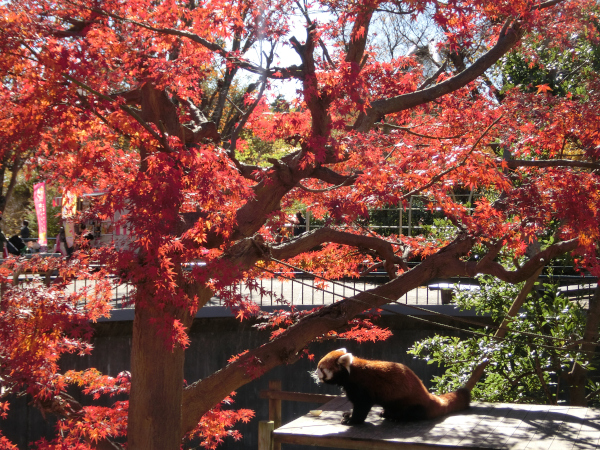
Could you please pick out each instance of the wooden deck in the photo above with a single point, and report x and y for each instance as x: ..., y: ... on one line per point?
x: 483, y: 426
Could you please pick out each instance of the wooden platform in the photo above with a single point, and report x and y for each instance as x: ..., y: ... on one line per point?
x: 483, y: 426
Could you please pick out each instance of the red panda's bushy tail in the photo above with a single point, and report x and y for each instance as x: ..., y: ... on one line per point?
x: 449, y: 403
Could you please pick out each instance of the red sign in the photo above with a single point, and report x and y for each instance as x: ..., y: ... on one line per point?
x: 39, y: 200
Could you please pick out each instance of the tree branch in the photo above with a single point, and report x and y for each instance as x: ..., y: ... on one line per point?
x: 316, y: 101
x: 503, y: 329
x: 329, y: 176
x: 199, y: 397
x: 509, y: 36
x: 516, y: 163
x: 409, y: 131
x: 307, y: 241
x: 433, y: 77
x: 359, y: 35
x: 348, y: 181
x: 125, y: 108
x: 321, y: 43
x: 282, y: 72
x: 440, y: 175
x: 526, y: 270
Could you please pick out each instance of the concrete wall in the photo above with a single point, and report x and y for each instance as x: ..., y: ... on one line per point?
x: 213, y: 341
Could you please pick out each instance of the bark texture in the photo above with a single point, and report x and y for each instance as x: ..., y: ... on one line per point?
x: 156, y: 386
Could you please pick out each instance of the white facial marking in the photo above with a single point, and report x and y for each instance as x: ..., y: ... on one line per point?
x: 327, y: 374
x: 320, y: 374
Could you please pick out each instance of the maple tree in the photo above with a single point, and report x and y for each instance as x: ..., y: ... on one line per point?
x: 134, y: 99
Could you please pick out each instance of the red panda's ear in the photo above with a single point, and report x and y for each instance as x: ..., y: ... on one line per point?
x: 343, y: 350
x: 345, y: 361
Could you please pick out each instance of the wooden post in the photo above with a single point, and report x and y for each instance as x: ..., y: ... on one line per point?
x: 410, y: 203
x: 275, y: 408
x: 446, y: 295
x: 265, y: 435
x: 400, y: 210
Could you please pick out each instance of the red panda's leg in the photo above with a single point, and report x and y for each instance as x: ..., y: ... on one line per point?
x: 359, y: 413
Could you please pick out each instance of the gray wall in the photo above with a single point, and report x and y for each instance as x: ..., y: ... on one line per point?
x: 213, y: 341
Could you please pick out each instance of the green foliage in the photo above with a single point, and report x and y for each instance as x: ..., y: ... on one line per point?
x: 564, y: 71
x: 20, y: 206
x: 422, y: 220
x: 525, y: 367
x: 258, y: 150
x: 53, y: 214
x: 442, y: 230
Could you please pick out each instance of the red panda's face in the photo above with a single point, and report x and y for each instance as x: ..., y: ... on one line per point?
x: 331, y: 364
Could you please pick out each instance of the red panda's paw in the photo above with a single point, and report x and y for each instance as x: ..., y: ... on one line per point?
x: 348, y: 420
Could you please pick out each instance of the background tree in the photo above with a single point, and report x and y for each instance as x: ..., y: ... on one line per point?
x: 137, y: 99
x: 533, y: 363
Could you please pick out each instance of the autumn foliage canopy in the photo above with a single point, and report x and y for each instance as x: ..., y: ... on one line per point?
x: 161, y: 105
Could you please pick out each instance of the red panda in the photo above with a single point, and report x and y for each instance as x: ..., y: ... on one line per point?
x: 391, y: 385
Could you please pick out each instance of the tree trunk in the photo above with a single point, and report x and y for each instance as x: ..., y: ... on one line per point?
x: 154, y: 420
x: 503, y: 329
x: 577, y: 378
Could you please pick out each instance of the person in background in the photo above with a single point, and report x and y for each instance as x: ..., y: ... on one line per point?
x: 87, y: 236
x: 61, y: 244
x: 57, y: 248
x: 300, y: 224
x: 25, y: 232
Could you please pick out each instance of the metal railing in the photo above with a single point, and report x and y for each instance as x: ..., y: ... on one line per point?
x: 302, y: 289
x: 305, y: 290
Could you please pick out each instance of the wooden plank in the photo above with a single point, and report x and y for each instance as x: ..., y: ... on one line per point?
x: 483, y: 426
x: 275, y: 408
x: 297, y: 396
x: 265, y: 435
x: 275, y: 403
x: 345, y: 443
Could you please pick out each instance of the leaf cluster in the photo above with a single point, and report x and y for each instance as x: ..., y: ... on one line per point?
x: 531, y: 364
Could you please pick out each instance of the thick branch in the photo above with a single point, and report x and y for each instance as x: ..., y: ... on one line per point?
x: 524, y: 272
x: 347, y: 182
x: 516, y: 163
x: 329, y: 176
x: 203, y: 395
x: 321, y: 43
x: 307, y: 241
x: 282, y: 72
x: 316, y: 101
x: 199, y: 397
x: 131, y: 111
x: 358, y: 36
x: 503, y: 330
x: 509, y: 36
